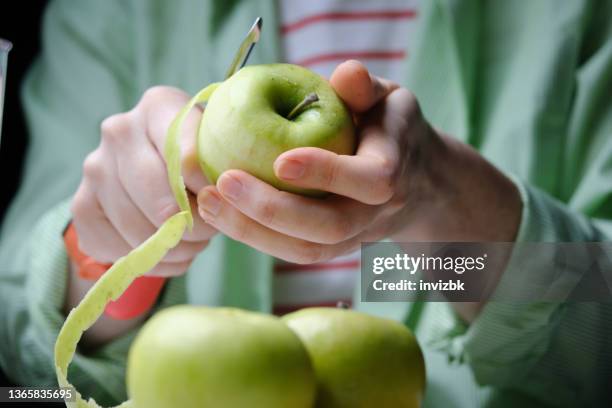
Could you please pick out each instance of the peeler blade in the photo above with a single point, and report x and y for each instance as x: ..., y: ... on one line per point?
x: 244, y: 51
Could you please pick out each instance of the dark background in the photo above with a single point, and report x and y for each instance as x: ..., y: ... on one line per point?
x: 22, y: 26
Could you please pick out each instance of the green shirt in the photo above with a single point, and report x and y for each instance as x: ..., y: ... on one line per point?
x: 528, y: 83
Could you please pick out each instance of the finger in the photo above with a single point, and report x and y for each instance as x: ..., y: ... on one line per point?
x: 133, y: 225
x: 359, y: 89
x: 328, y: 221
x: 185, y: 251
x: 229, y: 220
x: 100, y: 238
x: 365, y: 177
x: 370, y: 174
x: 119, y: 208
x: 97, y: 237
x: 135, y: 228
x: 169, y: 269
x: 142, y: 173
x: 161, y: 105
x: 202, y: 231
x: 139, y: 168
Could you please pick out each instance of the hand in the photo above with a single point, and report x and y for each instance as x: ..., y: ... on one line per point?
x: 124, y: 195
x: 406, y: 181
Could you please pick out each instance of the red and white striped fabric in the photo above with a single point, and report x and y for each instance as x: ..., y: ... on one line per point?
x: 319, y: 34
x: 321, y: 284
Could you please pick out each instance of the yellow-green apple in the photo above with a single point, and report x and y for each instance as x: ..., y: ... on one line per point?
x: 193, y: 356
x: 265, y: 110
x: 360, y: 360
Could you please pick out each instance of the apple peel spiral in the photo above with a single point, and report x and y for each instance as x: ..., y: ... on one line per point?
x: 136, y: 263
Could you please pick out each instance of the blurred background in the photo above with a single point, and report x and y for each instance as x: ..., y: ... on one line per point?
x: 21, y: 26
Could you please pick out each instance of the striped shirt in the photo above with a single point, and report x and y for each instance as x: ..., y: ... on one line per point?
x: 320, y: 34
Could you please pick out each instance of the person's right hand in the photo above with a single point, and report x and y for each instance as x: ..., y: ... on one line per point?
x: 125, y: 196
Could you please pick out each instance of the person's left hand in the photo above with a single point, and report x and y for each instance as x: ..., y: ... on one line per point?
x: 406, y: 181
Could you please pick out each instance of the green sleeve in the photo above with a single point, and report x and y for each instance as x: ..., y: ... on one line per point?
x: 558, y: 352
x: 81, y: 77
x: 548, y: 350
x: 37, y: 316
x: 554, y: 352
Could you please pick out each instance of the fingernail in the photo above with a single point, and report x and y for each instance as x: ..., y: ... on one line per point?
x: 290, y: 169
x: 230, y: 187
x: 209, y: 205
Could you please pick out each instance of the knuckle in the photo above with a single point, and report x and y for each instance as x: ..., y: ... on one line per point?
x: 409, y: 103
x: 384, y: 193
x: 406, y: 95
x: 155, y: 93
x: 108, y: 124
x: 116, y: 128
x: 93, y: 167
x: 385, y: 187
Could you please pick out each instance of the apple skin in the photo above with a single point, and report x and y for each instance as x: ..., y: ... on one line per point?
x: 194, y: 356
x: 244, y: 125
x: 360, y: 360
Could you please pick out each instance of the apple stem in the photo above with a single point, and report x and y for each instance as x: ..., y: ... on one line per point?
x: 308, y: 100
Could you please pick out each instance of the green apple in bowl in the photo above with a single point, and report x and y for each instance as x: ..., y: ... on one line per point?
x: 193, y: 356
x: 265, y: 110
x: 360, y: 361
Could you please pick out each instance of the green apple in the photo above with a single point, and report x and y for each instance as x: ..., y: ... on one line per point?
x: 251, y: 119
x: 360, y: 360
x: 194, y: 356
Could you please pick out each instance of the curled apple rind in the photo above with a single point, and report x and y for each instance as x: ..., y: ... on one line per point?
x: 172, y: 151
x: 136, y: 263
x: 109, y: 287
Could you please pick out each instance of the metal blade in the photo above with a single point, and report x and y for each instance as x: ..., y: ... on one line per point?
x: 246, y: 47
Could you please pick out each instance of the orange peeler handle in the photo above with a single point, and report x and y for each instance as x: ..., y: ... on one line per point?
x: 138, y: 298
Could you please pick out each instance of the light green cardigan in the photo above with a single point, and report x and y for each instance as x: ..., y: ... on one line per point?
x: 526, y: 82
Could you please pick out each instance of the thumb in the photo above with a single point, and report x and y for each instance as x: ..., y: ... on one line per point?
x: 359, y: 89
